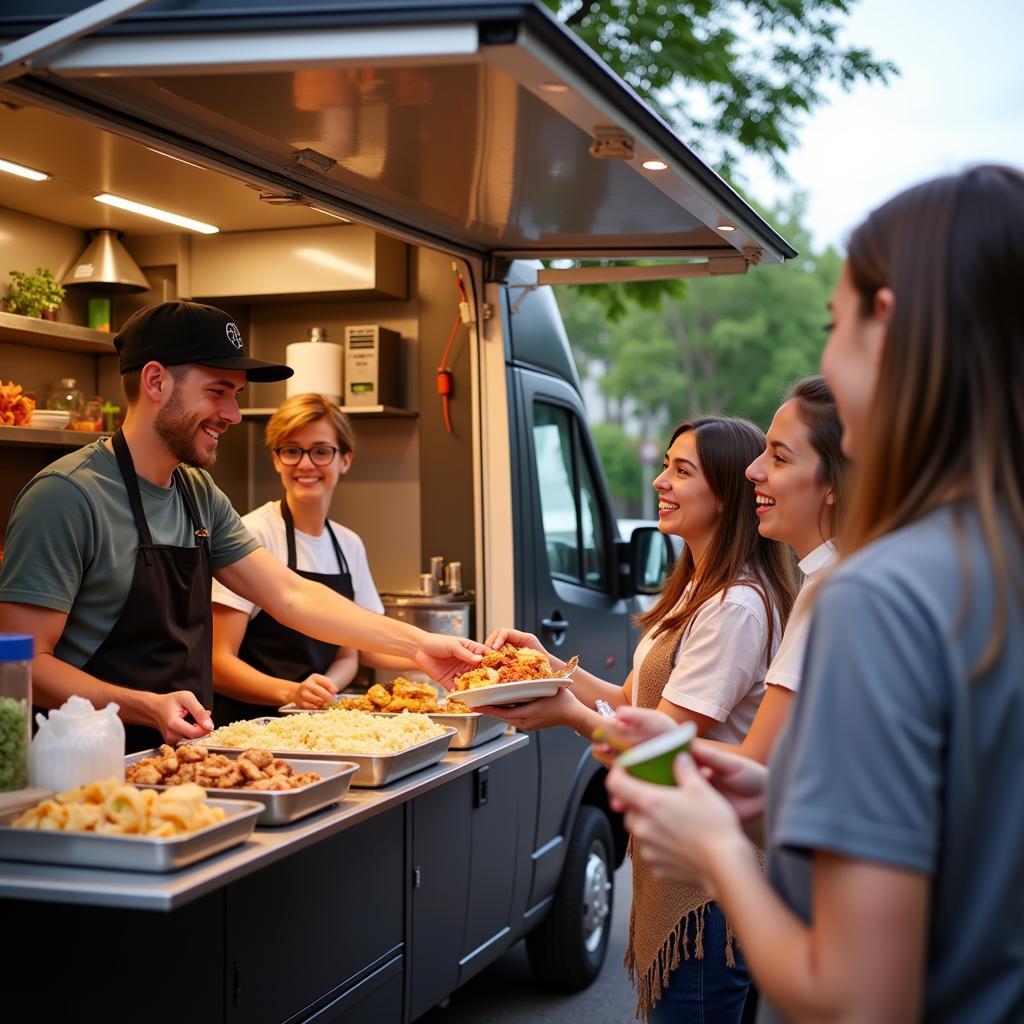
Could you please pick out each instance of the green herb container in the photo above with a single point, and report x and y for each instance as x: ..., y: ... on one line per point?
x: 653, y: 760
x: 16, y: 651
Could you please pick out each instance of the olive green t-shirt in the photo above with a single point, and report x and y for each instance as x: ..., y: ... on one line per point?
x: 71, y: 542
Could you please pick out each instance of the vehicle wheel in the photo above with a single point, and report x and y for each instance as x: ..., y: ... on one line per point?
x: 566, y: 950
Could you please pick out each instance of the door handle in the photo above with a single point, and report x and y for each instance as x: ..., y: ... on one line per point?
x: 557, y: 627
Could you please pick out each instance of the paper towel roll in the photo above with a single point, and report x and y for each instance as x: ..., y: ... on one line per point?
x: 318, y: 368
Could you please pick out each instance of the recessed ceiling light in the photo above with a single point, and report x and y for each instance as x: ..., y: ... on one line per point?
x: 554, y: 87
x: 23, y: 172
x: 655, y: 165
x: 726, y: 227
x: 156, y: 213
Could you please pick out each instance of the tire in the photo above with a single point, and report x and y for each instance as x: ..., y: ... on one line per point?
x: 566, y: 950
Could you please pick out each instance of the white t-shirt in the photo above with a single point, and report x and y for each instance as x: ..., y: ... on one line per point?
x: 721, y: 662
x: 787, y: 665
x: 312, y: 554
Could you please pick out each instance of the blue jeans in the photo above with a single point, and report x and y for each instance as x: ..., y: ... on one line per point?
x: 705, y: 991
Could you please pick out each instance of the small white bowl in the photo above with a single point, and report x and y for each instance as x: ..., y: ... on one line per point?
x: 49, y: 419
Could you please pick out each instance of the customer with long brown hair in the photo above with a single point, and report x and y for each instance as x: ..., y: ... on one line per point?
x: 799, y: 487
x: 703, y: 658
x: 895, y: 821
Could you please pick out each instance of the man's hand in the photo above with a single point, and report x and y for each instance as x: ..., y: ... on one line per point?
x: 314, y: 692
x: 741, y: 780
x: 167, y: 712
x: 517, y: 638
x: 445, y: 657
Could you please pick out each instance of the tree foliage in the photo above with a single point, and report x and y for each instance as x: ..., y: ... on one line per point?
x: 731, y: 76
x: 731, y: 345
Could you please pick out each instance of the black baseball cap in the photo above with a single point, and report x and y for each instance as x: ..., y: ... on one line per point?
x: 189, y: 332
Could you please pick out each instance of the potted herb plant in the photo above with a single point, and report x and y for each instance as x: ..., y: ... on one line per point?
x: 35, y: 294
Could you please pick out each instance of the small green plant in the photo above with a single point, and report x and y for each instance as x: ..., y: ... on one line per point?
x: 31, y: 294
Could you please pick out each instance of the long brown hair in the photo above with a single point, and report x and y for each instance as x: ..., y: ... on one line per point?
x: 816, y: 407
x: 737, y: 555
x: 949, y: 403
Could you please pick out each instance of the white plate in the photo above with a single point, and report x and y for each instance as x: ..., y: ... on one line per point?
x: 49, y: 419
x: 510, y: 693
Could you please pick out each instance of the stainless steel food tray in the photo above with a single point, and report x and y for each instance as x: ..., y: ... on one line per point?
x: 470, y: 730
x: 283, y: 806
x: 130, y: 853
x: 374, y: 769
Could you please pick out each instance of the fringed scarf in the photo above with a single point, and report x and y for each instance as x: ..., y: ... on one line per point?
x: 658, y: 933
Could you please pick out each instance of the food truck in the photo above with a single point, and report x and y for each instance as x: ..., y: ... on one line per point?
x: 396, y: 178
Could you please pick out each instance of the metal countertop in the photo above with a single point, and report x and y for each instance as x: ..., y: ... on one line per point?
x: 139, y: 891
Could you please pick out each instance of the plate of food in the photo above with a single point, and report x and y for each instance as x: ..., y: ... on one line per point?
x: 510, y: 675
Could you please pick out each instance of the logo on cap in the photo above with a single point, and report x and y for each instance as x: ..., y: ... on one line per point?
x: 234, y: 335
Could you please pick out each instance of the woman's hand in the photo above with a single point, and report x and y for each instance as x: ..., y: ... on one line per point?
x: 517, y: 638
x: 314, y: 692
x: 631, y: 725
x: 681, y: 829
x: 741, y: 780
x: 561, y: 709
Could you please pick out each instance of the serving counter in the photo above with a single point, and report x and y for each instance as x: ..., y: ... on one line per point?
x: 372, y: 910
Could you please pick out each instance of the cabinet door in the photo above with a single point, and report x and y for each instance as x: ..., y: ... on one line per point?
x: 441, y: 827
x: 301, y: 930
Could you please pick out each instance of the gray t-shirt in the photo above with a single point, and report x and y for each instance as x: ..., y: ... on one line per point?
x: 71, y: 541
x: 894, y: 755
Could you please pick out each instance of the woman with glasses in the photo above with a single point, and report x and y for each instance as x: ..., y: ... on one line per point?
x: 259, y: 664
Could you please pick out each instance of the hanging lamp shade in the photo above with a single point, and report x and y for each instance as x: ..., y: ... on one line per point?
x: 106, y: 266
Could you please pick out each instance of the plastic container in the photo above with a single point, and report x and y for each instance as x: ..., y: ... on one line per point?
x: 77, y: 744
x: 68, y: 398
x: 16, y: 651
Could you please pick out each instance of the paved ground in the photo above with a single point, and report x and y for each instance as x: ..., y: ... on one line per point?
x: 506, y: 992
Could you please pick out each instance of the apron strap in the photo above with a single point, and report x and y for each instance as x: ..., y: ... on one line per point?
x: 131, y: 483
x: 185, y: 490
x: 289, y: 534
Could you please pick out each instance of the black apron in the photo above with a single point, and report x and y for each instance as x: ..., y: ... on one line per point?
x: 162, y: 640
x: 281, y: 651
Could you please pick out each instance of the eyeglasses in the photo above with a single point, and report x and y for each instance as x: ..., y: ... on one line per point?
x: 319, y: 454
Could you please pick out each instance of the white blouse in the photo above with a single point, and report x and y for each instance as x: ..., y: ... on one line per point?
x: 720, y: 665
x: 787, y: 665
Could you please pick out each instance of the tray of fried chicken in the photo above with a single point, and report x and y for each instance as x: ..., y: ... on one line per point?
x: 401, y: 696
x: 288, y: 789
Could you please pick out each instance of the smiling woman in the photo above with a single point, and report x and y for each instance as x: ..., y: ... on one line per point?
x: 259, y: 664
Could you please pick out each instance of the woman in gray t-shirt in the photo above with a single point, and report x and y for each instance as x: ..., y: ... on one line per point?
x: 894, y: 818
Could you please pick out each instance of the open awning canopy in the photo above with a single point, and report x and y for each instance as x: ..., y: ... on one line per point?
x: 483, y: 128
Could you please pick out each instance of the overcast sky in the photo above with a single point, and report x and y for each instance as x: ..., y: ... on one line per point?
x: 958, y: 101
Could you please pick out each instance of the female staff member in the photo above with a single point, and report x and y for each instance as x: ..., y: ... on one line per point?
x: 703, y: 658
x: 259, y: 664
x: 895, y: 823
x: 799, y: 481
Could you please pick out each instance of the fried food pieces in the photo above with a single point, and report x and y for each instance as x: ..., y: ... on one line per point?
x: 115, y: 808
x: 194, y: 764
x: 402, y: 695
x: 508, y: 664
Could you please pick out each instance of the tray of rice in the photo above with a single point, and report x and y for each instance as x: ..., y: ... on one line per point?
x: 384, y: 748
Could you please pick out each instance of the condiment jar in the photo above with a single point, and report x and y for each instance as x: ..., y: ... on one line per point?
x: 77, y: 744
x: 67, y: 397
x: 16, y: 651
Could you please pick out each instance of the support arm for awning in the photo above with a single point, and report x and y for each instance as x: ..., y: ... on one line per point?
x: 655, y: 272
x: 16, y: 59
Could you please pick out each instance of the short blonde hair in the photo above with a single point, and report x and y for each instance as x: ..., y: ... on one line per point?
x: 297, y: 411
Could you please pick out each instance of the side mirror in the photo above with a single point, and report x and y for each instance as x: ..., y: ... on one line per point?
x: 650, y: 560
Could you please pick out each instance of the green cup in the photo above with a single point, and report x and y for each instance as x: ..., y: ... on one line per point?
x: 653, y: 759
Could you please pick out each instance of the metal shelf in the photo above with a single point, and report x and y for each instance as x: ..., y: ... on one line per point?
x: 27, y: 330
x: 31, y: 437
x: 381, y: 412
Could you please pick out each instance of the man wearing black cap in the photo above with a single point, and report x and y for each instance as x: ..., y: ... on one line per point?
x: 110, y: 550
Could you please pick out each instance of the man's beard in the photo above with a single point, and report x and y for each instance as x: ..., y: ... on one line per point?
x: 177, y: 430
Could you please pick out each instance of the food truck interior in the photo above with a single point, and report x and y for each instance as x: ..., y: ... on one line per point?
x: 356, y: 162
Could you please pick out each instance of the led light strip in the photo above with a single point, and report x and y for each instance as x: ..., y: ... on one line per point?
x: 157, y: 214
x: 23, y: 172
